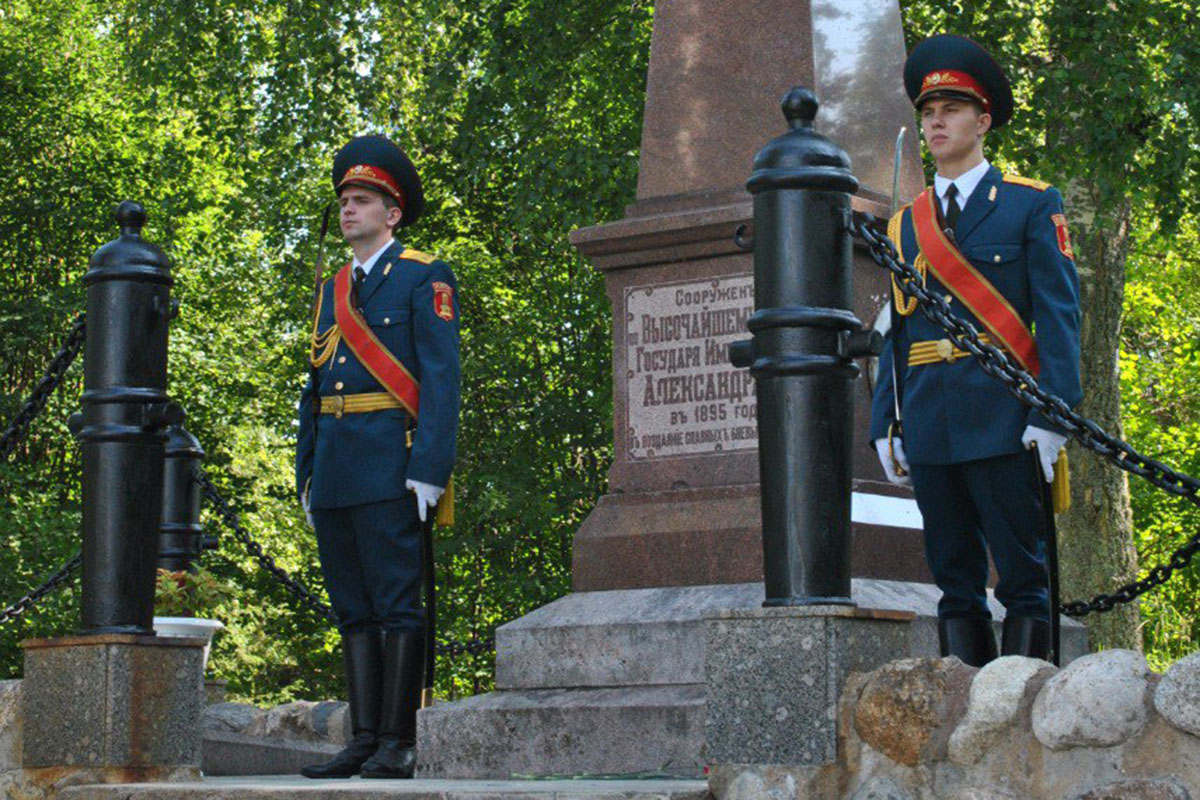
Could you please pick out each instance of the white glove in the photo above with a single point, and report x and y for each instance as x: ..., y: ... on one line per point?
x: 885, y: 458
x: 307, y: 513
x: 427, y: 496
x: 1048, y: 444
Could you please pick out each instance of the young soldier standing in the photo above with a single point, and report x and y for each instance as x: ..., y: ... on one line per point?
x: 996, y: 246
x: 378, y: 422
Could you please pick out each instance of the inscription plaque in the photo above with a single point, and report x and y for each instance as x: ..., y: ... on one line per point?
x: 683, y: 397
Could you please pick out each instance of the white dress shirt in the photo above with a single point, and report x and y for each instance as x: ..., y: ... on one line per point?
x: 370, y: 262
x: 965, y: 184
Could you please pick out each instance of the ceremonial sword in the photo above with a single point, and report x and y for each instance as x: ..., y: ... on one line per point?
x: 1051, y: 533
x: 894, y: 430
x: 430, y: 606
x: 319, y: 274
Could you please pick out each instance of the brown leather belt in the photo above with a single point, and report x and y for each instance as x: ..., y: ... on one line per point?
x: 339, y: 404
x: 938, y: 350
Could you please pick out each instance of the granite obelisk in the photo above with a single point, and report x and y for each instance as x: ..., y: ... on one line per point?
x: 682, y: 504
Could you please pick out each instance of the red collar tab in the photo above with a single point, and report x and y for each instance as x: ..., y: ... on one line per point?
x: 372, y: 178
x: 952, y: 80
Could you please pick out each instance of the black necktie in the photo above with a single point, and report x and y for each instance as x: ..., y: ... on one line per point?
x: 952, y: 209
x: 360, y: 276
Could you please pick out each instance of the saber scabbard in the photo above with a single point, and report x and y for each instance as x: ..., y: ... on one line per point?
x: 1050, y: 530
x: 427, y: 574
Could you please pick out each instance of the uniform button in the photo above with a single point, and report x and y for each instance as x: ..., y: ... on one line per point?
x: 387, y: 320
x: 949, y: 298
x: 996, y: 258
x: 338, y: 385
x: 341, y: 359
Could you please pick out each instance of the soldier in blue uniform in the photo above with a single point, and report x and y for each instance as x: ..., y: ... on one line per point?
x: 996, y: 246
x: 378, y: 421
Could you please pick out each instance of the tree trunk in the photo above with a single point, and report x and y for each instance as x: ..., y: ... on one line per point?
x: 1096, y: 546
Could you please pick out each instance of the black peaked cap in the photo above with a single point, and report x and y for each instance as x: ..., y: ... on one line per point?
x: 947, y: 52
x: 377, y: 163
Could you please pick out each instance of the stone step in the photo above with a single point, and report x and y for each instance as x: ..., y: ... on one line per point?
x: 626, y: 637
x: 649, y: 637
x: 226, y: 753
x: 646, y: 729
x: 613, y: 681
x: 285, y: 787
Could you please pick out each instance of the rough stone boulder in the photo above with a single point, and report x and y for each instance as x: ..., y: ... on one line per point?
x: 1143, y: 789
x: 1098, y: 700
x: 881, y: 789
x: 994, y: 704
x: 302, y: 720
x: 907, y: 708
x: 1178, y: 695
x: 10, y: 740
x: 982, y: 793
x: 231, y: 717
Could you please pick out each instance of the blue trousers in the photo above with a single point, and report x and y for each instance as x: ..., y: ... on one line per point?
x: 969, y: 508
x: 371, y: 559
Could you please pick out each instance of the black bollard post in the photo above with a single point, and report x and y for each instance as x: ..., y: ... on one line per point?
x: 181, y: 538
x: 125, y: 412
x: 805, y: 338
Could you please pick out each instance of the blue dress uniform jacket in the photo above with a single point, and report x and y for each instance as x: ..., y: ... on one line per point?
x: 361, y: 458
x: 954, y: 412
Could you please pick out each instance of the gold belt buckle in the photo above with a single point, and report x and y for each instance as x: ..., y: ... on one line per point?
x: 945, y: 350
x: 339, y: 405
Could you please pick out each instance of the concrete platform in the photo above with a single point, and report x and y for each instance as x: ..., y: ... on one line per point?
x: 613, y: 681
x: 535, y: 732
x: 284, y: 787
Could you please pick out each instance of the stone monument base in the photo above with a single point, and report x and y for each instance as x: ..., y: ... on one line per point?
x: 773, y: 677
x: 580, y: 680
x: 117, y: 707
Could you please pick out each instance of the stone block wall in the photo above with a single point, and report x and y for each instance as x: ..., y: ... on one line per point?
x: 1103, y: 728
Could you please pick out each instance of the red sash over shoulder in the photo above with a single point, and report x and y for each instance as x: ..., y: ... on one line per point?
x: 975, y: 291
x: 361, y: 340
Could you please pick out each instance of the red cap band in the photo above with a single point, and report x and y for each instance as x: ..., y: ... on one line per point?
x: 951, y: 80
x: 372, y: 178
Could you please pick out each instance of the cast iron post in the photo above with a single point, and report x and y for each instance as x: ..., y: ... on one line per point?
x: 125, y: 412
x: 181, y: 537
x: 805, y: 338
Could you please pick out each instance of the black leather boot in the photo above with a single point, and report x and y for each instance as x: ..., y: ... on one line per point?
x: 1026, y: 636
x: 403, y: 674
x: 362, y: 651
x: 969, y: 638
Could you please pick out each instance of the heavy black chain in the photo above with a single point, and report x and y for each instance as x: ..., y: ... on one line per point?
x: 449, y: 647
x: 994, y: 362
x: 234, y: 523
x: 53, y: 582
x: 297, y: 589
x: 66, y: 354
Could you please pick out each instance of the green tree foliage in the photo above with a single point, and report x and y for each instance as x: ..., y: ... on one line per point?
x: 222, y: 116
x: 1160, y: 388
x: 524, y: 117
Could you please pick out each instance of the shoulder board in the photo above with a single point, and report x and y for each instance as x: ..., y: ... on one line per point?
x: 1041, y: 186
x: 418, y: 256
